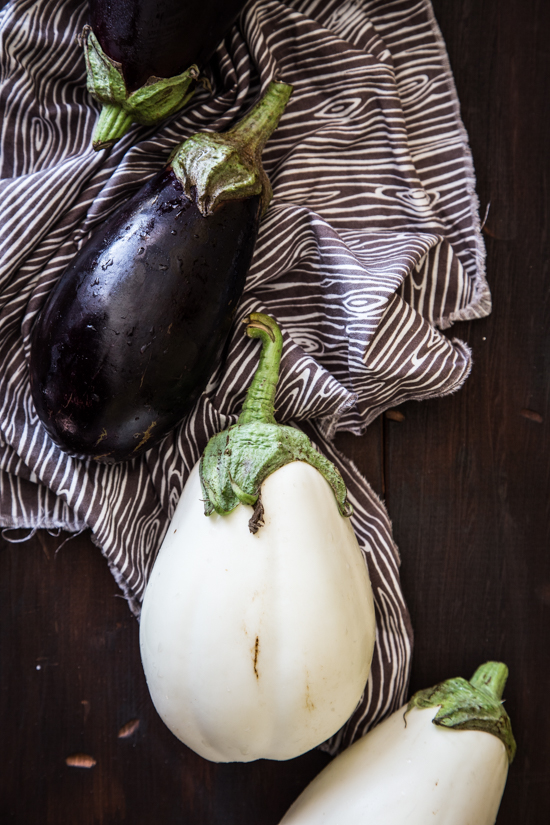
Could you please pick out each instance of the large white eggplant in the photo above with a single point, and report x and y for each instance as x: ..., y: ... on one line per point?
x: 443, y: 759
x: 257, y: 628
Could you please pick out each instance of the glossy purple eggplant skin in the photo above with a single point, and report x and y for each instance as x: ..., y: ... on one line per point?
x: 161, y: 38
x: 133, y: 330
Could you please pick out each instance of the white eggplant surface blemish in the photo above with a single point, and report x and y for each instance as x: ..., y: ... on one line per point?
x: 258, y: 645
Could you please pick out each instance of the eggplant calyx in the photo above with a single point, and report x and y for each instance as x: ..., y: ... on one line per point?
x: 471, y: 705
x: 156, y: 100
x: 237, y: 461
x: 214, y: 167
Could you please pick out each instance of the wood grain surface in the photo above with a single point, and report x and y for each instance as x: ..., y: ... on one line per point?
x: 466, y: 481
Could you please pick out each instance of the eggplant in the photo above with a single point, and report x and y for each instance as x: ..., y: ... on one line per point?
x: 257, y: 627
x: 442, y: 759
x: 144, y: 56
x: 131, y: 333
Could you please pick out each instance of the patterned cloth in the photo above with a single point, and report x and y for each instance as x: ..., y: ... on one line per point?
x: 371, y: 242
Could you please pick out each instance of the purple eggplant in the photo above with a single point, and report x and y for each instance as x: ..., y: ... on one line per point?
x: 144, y: 56
x: 135, y: 326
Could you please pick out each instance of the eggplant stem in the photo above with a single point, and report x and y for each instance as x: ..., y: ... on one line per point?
x: 236, y: 462
x: 491, y: 677
x: 113, y: 123
x: 255, y: 129
x: 259, y: 404
x: 215, y: 167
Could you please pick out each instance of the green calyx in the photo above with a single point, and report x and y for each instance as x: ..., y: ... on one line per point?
x: 214, y: 167
x: 473, y: 705
x: 156, y: 100
x: 237, y: 461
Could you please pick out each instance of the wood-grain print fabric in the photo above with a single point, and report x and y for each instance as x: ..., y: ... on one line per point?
x: 370, y: 247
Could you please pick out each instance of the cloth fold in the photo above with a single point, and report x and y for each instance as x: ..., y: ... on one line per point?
x: 370, y: 244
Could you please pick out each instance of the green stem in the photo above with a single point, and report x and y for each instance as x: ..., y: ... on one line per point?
x: 236, y: 462
x: 255, y: 129
x: 113, y: 123
x: 491, y: 677
x: 473, y: 705
x: 214, y: 167
x: 259, y: 404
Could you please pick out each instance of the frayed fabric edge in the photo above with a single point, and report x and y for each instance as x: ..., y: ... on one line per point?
x: 481, y: 303
x: 329, y: 425
x: 450, y: 390
x: 74, y: 531
x: 133, y: 603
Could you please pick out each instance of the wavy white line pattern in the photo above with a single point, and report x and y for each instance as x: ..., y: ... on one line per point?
x: 371, y: 242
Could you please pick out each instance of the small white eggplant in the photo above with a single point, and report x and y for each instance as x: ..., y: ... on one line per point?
x: 442, y: 759
x: 257, y: 628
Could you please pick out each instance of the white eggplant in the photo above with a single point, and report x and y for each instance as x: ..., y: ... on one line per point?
x: 257, y: 628
x: 442, y: 759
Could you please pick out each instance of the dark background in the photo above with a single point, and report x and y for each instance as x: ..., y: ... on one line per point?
x: 466, y: 481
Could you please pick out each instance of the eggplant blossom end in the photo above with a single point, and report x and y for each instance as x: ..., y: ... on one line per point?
x: 236, y: 462
x: 471, y: 705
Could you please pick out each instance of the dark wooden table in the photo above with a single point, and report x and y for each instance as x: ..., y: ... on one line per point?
x: 466, y: 481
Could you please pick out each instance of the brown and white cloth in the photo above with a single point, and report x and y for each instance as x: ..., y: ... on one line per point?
x: 370, y: 244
